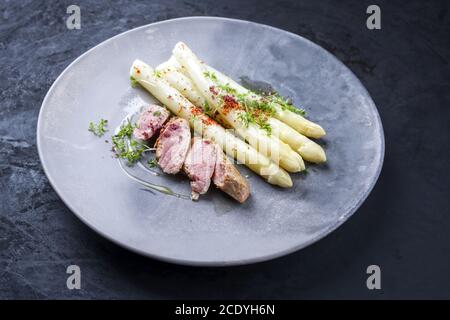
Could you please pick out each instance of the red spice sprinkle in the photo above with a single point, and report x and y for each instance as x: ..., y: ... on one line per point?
x: 196, y: 111
x: 213, y: 90
x: 208, y: 121
x: 137, y: 70
x: 229, y: 103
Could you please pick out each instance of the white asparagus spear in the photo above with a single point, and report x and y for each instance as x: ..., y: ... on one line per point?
x: 180, y: 82
x: 170, y: 70
x: 307, y: 148
x: 202, y: 124
x: 270, y: 146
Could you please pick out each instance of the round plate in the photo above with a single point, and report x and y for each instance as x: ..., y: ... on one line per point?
x: 216, y: 230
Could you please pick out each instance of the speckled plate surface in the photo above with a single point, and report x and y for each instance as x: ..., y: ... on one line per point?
x: 215, y: 230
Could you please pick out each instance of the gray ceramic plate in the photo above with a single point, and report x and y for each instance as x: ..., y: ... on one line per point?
x: 215, y: 230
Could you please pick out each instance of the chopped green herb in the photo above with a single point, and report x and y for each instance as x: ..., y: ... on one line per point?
x: 125, y: 147
x: 157, y: 74
x: 263, y: 124
x: 256, y: 111
x: 291, y: 108
x: 268, y: 98
x: 210, y: 75
x: 133, y: 155
x: 206, y: 107
x: 125, y: 131
x: 251, y: 104
x: 246, y: 118
x: 133, y: 81
x: 286, y: 104
x: 98, y: 129
x: 265, y: 106
x: 152, y: 163
x: 227, y: 88
x: 157, y: 113
x: 193, y: 118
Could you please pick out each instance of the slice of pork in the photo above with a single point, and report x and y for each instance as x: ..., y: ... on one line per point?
x: 150, y: 121
x: 173, y: 145
x: 199, y: 165
x: 228, y: 179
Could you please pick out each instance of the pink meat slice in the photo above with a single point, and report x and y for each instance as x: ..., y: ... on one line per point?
x: 172, y: 145
x: 150, y: 121
x: 228, y: 179
x: 199, y: 165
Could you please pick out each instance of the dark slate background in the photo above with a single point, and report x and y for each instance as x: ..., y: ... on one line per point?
x: 404, y: 226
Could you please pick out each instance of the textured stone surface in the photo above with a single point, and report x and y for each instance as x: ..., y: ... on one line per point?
x: 403, y: 226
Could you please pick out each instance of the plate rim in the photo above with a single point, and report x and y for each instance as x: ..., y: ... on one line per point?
x: 215, y: 263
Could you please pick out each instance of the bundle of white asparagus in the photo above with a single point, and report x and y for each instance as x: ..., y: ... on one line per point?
x: 264, y: 132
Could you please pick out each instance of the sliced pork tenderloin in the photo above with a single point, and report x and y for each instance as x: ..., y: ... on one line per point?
x: 173, y: 145
x: 228, y: 179
x: 199, y: 165
x: 150, y: 121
